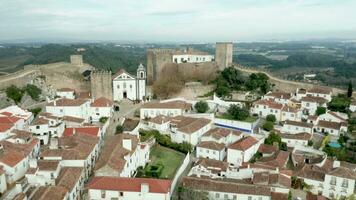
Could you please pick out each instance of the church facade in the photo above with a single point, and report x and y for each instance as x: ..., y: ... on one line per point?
x: 127, y: 86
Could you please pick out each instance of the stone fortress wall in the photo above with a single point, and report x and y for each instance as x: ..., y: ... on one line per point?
x: 101, y: 84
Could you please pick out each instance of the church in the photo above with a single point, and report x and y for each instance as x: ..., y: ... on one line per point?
x: 127, y: 86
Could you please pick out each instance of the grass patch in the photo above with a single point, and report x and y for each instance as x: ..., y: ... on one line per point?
x: 168, y: 158
x: 249, y: 119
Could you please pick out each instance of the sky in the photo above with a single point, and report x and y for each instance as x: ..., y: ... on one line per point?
x: 177, y: 20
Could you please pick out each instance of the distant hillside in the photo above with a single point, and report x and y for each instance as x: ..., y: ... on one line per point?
x: 13, y: 58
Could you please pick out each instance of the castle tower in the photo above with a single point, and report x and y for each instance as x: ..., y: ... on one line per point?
x: 156, y: 60
x: 101, y: 84
x: 223, y: 54
x: 76, y: 60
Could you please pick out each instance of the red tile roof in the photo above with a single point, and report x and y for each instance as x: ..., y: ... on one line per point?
x: 211, y: 145
x: 101, y: 102
x: 265, y: 148
x: 94, y: 131
x: 5, y: 127
x: 314, y: 99
x: 244, y: 143
x: 9, y: 114
x: 269, y: 103
x: 297, y: 123
x: 9, y: 120
x: 327, y: 124
x: 68, y: 102
x: 130, y: 184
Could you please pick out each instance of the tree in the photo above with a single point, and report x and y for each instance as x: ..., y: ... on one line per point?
x: 349, y: 90
x: 35, y: 111
x: 33, y: 91
x: 119, y: 129
x: 271, y: 118
x: 339, y: 103
x: 268, y: 126
x: 320, y: 110
x: 14, y: 93
x: 201, y: 106
x: 290, y: 197
x: 238, y: 113
x: 103, y: 120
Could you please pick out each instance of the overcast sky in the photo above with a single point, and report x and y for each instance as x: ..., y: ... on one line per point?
x: 177, y: 20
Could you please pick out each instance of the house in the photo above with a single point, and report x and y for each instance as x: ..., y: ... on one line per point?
x: 71, y: 107
x: 188, y: 129
x: 129, y: 188
x: 267, y: 150
x: 220, y: 189
x: 242, y: 150
x: 121, y: 156
x: 279, y: 97
x: 15, y: 154
x: 323, y: 92
x: 44, y: 129
x: 293, y: 140
x: 334, y: 117
x: 264, y: 107
x: 15, y: 111
x: 311, y: 103
x: 329, y: 179
x: 67, y: 93
x: 209, y: 168
x: 88, y: 130
x: 160, y: 123
x: 278, y: 160
x: 70, y: 121
x: 293, y: 127
x: 50, y: 192
x: 222, y: 135
x: 352, y: 107
x: 332, y: 128
x: 300, y: 93
x: 7, y: 124
x: 211, y: 150
x: 43, y: 172
x: 170, y: 109
x: 278, y: 182
x: 101, y: 107
x: 290, y: 113
x: 127, y: 86
x: 76, y: 150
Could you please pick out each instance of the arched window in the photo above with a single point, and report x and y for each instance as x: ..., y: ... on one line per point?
x: 141, y: 74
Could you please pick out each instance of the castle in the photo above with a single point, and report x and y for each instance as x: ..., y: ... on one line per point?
x: 157, y: 59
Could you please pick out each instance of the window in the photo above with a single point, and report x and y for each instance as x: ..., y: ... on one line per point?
x: 118, y: 86
x: 226, y: 196
x: 102, y: 193
x: 141, y: 74
x: 217, y: 195
x: 333, y: 181
x: 345, y: 183
x: 249, y: 198
x: 121, y: 194
x: 37, y: 127
x: 234, y: 197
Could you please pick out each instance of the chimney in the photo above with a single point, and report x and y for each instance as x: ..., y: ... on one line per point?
x: 336, y: 164
x: 145, y: 188
x: 127, y: 144
x: 55, y: 102
x: 53, y: 143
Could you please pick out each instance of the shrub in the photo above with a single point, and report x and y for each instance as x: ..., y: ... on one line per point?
x: 320, y: 111
x: 238, y: 113
x: 14, y: 93
x: 268, y: 126
x: 310, y: 143
x: 103, y: 120
x: 119, y: 129
x: 33, y: 91
x: 35, y: 111
x: 201, y: 106
x: 271, y: 118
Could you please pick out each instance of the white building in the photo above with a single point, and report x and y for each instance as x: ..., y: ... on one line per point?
x: 15, y: 111
x: 334, y: 117
x: 3, y: 184
x: 278, y: 97
x: 121, y: 156
x: 294, y: 127
x: 242, y: 150
x: 192, y: 57
x: 160, y: 123
x: 332, y: 128
x: 264, y: 107
x: 67, y: 93
x: 129, y: 188
x: 127, y: 86
x: 101, y: 107
x: 323, y: 92
x: 290, y: 113
x: 298, y: 139
x: 211, y: 150
x: 311, y: 103
x: 170, y: 109
x: 188, y: 129
x: 69, y: 107
x: 222, y: 135
x: 46, y: 127
x: 43, y: 172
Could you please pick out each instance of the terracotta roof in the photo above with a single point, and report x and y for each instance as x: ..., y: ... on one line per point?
x: 272, y: 179
x: 160, y: 119
x: 20, y: 196
x: 83, y: 95
x: 121, y: 184
x: 244, y: 143
x: 94, y: 131
x: 320, y: 90
x: 65, y: 90
x: 73, y: 119
x: 218, y: 133
x: 265, y: 148
x: 68, y: 102
x: 130, y: 124
x: 337, y: 115
x: 297, y: 123
x: 224, y: 186
x: 13, y: 153
x: 5, y: 127
x: 298, y: 136
x: 102, y: 102
x: 9, y: 120
x: 211, y: 145
x: 40, y: 121
x: 214, y: 165
x: 309, y: 172
x: 50, y: 192
x: 312, y: 117
x: 327, y: 124
x: 279, y: 95
x: 47, y: 165
x: 121, y: 71
x: 189, y: 125
x: 314, y: 99
x: 169, y: 105
x: 69, y: 176
x: 269, y: 103
x: 287, y: 108
x: 113, y: 153
x: 278, y: 160
x: 8, y: 114
x: 74, y: 147
x: 343, y: 172
x: 11, y: 157
x: 279, y: 196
